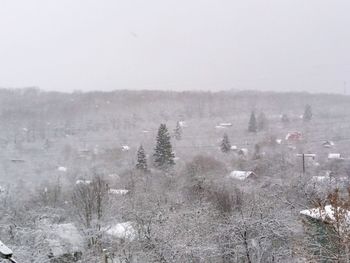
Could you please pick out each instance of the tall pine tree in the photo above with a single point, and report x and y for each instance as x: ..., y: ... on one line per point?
x: 307, y: 113
x: 163, y: 155
x: 225, y: 144
x: 141, y: 159
x: 252, y: 126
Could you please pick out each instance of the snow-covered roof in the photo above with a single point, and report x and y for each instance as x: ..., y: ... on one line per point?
x: 118, y: 191
x: 226, y: 124
x: 5, y: 252
x: 220, y: 127
x: 322, y: 179
x: 62, y: 169
x: 123, y: 230
x: 243, y: 151
x: 328, y: 144
x: 125, y: 148
x: 83, y: 182
x: 325, y: 214
x: 241, y: 175
x: 334, y: 156
x: 182, y: 124
x: 293, y: 136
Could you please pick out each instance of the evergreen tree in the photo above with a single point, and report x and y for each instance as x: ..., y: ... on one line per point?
x: 178, y: 131
x: 141, y: 159
x: 307, y: 113
x: 252, y: 127
x: 262, y: 122
x: 163, y: 155
x: 225, y: 144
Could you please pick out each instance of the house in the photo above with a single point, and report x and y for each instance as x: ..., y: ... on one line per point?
x: 125, y: 148
x: 118, y: 191
x: 328, y: 144
x: 234, y: 148
x: 243, y: 175
x: 335, y: 156
x: 83, y: 182
x: 294, y: 136
x: 326, y: 214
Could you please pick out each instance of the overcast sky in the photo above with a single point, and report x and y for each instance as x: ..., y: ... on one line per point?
x: 86, y: 45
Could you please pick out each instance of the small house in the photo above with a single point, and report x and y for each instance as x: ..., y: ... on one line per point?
x: 294, y: 136
x: 82, y: 182
x: 335, y: 156
x: 328, y: 144
x: 243, y: 152
x: 242, y: 175
x: 326, y: 214
x: 125, y: 148
x: 234, y: 148
x: 118, y: 191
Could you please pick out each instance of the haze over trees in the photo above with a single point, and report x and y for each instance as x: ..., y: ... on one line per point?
x: 86, y: 177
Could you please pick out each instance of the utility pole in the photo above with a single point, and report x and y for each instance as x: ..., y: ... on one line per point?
x: 303, y: 155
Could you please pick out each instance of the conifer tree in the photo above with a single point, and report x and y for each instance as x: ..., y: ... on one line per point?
x: 178, y: 131
x: 307, y: 113
x: 141, y: 159
x: 225, y: 144
x: 163, y: 155
x: 252, y: 126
